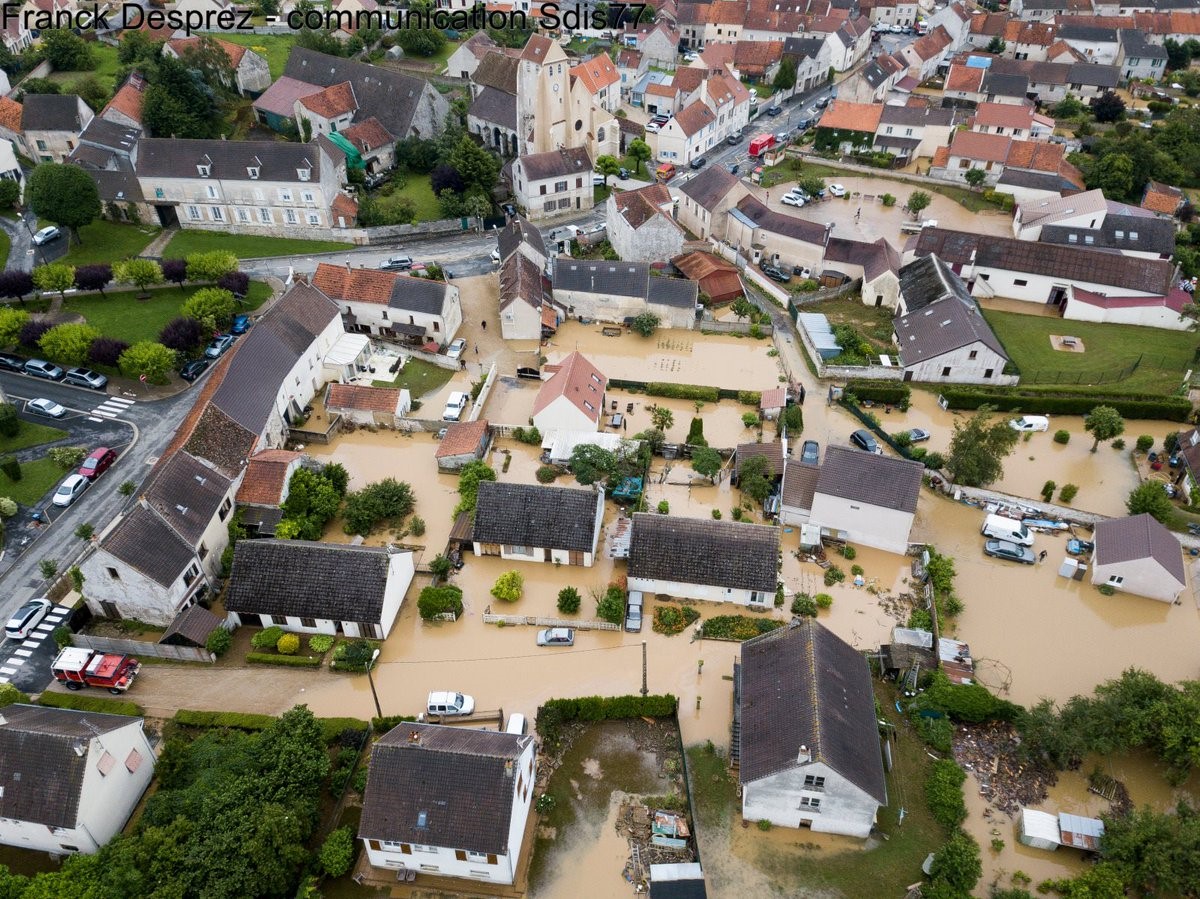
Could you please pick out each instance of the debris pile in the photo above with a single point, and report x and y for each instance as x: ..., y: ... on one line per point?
x: 989, y: 751
x: 656, y: 837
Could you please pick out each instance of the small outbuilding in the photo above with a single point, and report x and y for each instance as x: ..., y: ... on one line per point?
x: 1138, y: 555
x: 463, y: 442
x: 1038, y: 830
x: 381, y: 406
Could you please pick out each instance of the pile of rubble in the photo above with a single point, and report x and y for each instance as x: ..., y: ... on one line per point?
x: 989, y: 751
x: 656, y: 837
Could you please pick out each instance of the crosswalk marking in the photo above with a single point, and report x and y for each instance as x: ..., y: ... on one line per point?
x: 23, y: 653
x: 7, y: 670
x: 110, y: 408
x: 16, y: 661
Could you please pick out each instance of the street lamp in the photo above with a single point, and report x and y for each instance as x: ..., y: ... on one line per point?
x: 41, y: 253
x: 371, y: 681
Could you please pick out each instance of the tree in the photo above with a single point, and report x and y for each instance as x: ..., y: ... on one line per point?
x: 175, y: 270
x: 92, y: 92
x: 978, y: 448
x: 1103, y: 423
x: 469, y: 478
x: 106, y: 351
x: 918, y: 201
x: 337, y: 852
x: 661, y: 417
x: 1112, y: 174
x: 785, y: 77
x: 182, y: 334
x: 975, y: 177
x: 1152, y: 852
x: 590, y: 463
x: 1108, y: 107
x: 476, y: 166
x: 210, y: 266
x: 11, y: 323
x: 707, y: 461
x: 1068, y: 107
x: 996, y: 46
x: 509, y: 586
x: 94, y: 277
x: 957, y: 863
x: 568, y: 600
x: 63, y: 194
x: 32, y: 331
x: 608, y: 165
x: 812, y: 185
x: 208, y: 58
x: 40, y: 86
x: 56, y: 276
x: 210, y: 306
x: 743, y: 308
x: 386, y: 500
x: 237, y: 283
x: 10, y: 192
x: 139, y: 272
x: 10, y: 424
x: 753, y: 479
x: 15, y: 284
x: 646, y: 323
x: 68, y: 344
x: 147, y: 358
x: 177, y: 102
x: 1151, y: 497
x: 639, y: 151
x: 313, y: 499
x: 611, y: 606
x: 435, y: 601
x: 66, y: 51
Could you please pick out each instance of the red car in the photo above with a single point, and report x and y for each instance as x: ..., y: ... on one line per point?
x: 97, y: 463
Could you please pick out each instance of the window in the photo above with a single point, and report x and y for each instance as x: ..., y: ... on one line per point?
x: 1116, y: 581
x: 252, y: 172
x: 1072, y: 238
x: 190, y: 575
x: 579, y: 182
x: 1088, y: 238
x: 289, y: 216
x: 1120, y: 235
x: 212, y: 191
x: 1020, y: 282
x: 519, y: 551
x: 243, y: 215
x: 41, y: 145
x: 811, y: 803
x: 314, y: 219
x: 908, y: 132
x: 589, y: 406
x: 542, y: 190
x: 204, y: 170
x: 308, y: 622
x: 158, y: 193
x: 194, y: 213
x: 225, y: 507
x: 887, y: 130
x: 564, y: 204
x: 946, y: 372
x: 1133, y: 235
x: 964, y: 163
x: 113, y: 573
x: 203, y: 552
x: 264, y: 216
x: 973, y: 354
x: 285, y: 195
x: 307, y: 197
x: 988, y: 373
x: 304, y: 174
x: 560, y: 186
x: 985, y: 277
x: 814, y: 782
x: 478, y: 856
x: 384, y: 314
x: 217, y: 213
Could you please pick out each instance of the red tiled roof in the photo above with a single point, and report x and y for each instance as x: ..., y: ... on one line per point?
x: 234, y: 52
x: 128, y: 100
x: 639, y: 206
x: 265, y: 477
x: 1003, y: 115
x: 964, y: 78
x: 596, y: 74
x: 344, y: 207
x: 1175, y: 300
x: 694, y: 116
x: 10, y: 114
x: 756, y: 56
x: 577, y: 380
x: 369, y: 135
x: 364, y: 399
x: 979, y: 146
x: 362, y: 284
x: 847, y: 116
x: 1162, y: 198
x: 462, y: 437
x: 941, y: 157
x: 331, y: 102
x: 773, y: 398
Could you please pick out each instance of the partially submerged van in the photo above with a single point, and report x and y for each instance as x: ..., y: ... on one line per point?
x: 516, y: 724
x: 1000, y: 528
x: 1030, y: 423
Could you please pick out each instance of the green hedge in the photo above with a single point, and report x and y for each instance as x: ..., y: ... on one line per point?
x: 684, y: 392
x: 943, y: 793
x: 881, y: 392
x: 749, y: 397
x: 331, y: 728
x: 737, y: 627
x: 270, y: 658
x: 552, y: 715
x: 90, y: 704
x: 387, y: 722
x: 1017, y: 399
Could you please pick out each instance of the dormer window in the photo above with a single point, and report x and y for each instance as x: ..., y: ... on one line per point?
x: 303, y: 174
x: 204, y: 170
x: 252, y: 171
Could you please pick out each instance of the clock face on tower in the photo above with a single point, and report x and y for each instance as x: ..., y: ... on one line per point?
x: 556, y: 88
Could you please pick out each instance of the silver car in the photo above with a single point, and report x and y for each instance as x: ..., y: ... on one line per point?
x: 43, y: 406
x: 556, y: 636
x: 85, y: 377
x: 70, y: 490
x: 1012, y: 552
x: 633, y: 612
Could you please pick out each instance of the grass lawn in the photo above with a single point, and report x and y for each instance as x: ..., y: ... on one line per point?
x: 873, y: 322
x: 419, y: 377
x: 783, y: 172
x: 628, y: 162
x: 416, y: 189
x: 122, y: 315
x: 246, y: 246
x: 104, y: 241
x: 37, y: 478
x: 105, y: 72
x: 274, y: 48
x: 1165, y: 355
x: 5, y: 246
x: 31, y: 434
x: 891, y: 864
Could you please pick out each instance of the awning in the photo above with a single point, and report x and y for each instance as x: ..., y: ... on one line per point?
x: 406, y: 329
x: 354, y: 159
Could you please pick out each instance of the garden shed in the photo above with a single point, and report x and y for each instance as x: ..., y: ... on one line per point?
x: 1038, y: 830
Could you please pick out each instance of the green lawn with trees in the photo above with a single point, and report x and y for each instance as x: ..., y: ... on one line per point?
x: 274, y: 48
x: 1165, y: 355
x: 37, y: 478
x: 31, y: 434
x: 247, y: 246
x: 105, y: 241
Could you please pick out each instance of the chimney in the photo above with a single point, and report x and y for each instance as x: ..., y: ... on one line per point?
x: 508, y: 767
x: 414, y: 737
x: 804, y: 756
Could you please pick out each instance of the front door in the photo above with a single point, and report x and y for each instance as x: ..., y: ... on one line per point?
x: 110, y: 609
x: 575, y: 557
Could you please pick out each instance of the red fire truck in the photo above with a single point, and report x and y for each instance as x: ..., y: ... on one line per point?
x: 761, y: 144
x: 77, y: 668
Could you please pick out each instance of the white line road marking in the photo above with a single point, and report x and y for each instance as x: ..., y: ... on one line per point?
x: 23, y: 653
x: 17, y: 662
x: 7, y: 670
x: 95, y: 419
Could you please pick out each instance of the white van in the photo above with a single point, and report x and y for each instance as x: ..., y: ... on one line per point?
x: 1000, y: 528
x: 1030, y: 423
x: 440, y: 703
x: 516, y: 724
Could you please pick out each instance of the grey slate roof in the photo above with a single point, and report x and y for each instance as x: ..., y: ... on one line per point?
x: 709, y: 187
x: 498, y: 71
x: 869, y: 478
x: 495, y: 106
x: 677, y: 292
x: 802, y: 46
x: 41, y: 773
x: 803, y: 686
x: 51, y: 112
x: 143, y: 541
x: 626, y: 279
x: 1154, y: 234
x: 191, y: 627
x: 1139, y: 537
x: 941, y: 328
x: 229, y: 160
x: 419, y: 295
x: 698, y: 551
x: 186, y: 492
x: 1093, y: 74
x: 556, y: 164
x: 1089, y: 33
x: 391, y: 97
x: 772, y: 451
x: 1000, y: 85
x: 281, y: 577
x: 534, y: 516
x: 754, y: 211
x: 916, y: 115
x: 1136, y: 46
x: 799, y: 484
x: 1048, y: 181
x: 516, y: 232
x: 263, y: 358
x: 461, y: 780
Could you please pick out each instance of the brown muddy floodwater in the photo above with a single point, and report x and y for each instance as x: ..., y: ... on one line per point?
x: 681, y: 357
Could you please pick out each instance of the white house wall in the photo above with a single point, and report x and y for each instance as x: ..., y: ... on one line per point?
x: 1146, y: 316
x: 401, y: 569
x: 859, y: 522
x: 1036, y: 288
x: 703, y: 592
x: 521, y: 321
x: 563, y: 415
x: 134, y: 594
x: 845, y: 809
x: 1142, y: 577
x: 985, y: 368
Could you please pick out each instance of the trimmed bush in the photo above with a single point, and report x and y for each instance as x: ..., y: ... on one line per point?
x: 219, y: 641
x: 1144, y: 443
x: 509, y: 586
x: 1014, y: 399
x: 90, y: 704
x: 267, y: 638
x: 269, y: 658
x: 823, y: 600
x: 1062, y: 436
x: 546, y: 474
x: 670, y: 620
x: 804, y: 606
x: 11, y: 468
x: 749, y: 397
x: 288, y: 645
x: 943, y: 793
x: 331, y: 728
x: 569, y: 600
x: 897, y: 395
x: 663, y: 507
x: 554, y: 713
x: 10, y: 424
x: 1048, y: 489
x: 320, y: 643
x: 435, y: 601
x: 683, y: 391
x: 1068, y: 492
x: 337, y: 852
x: 737, y: 627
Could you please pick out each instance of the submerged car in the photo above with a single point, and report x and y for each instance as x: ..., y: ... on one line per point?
x: 556, y: 636
x: 917, y: 435
x: 864, y: 440
x: 1011, y: 552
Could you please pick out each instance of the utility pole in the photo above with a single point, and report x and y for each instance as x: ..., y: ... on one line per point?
x: 371, y: 681
x: 645, y: 690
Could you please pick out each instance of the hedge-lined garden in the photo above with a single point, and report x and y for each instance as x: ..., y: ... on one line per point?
x: 555, y: 713
x: 1049, y: 402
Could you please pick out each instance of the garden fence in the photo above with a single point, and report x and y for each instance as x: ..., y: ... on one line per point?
x: 142, y: 648
x: 1068, y: 376
x: 510, y: 620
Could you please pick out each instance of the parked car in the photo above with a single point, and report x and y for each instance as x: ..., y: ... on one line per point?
x: 776, y: 274
x: 653, y: 127
x: 396, y: 264
x: 801, y: 193
x: 12, y: 362
x: 516, y: 724
x: 633, y: 612
x: 1011, y: 552
x: 897, y: 29
x: 43, y: 406
x: 85, y: 377
x: 76, y: 668
x: 734, y: 139
x: 783, y: 137
x: 194, y: 369
x: 918, y: 435
x: 98, y: 461
x: 810, y: 453
x: 823, y: 102
x: 26, y: 618
x: 70, y: 490
x: 774, y: 110
x: 456, y: 348
x: 791, y: 200
x: 599, y: 181
x: 864, y: 440
x: 455, y: 406
x: 241, y: 324
x: 219, y: 345
x: 697, y: 163
x: 45, y: 235
x: 623, y: 174
x: 495, y: 257
x: 803, y: 272
x: 734, y: 169
x: 449, y: 703
x: 837, y: 190
x: 556, y: 636
x: 40, y: 368
x: 1030, y: 423
x: 804, y: 124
